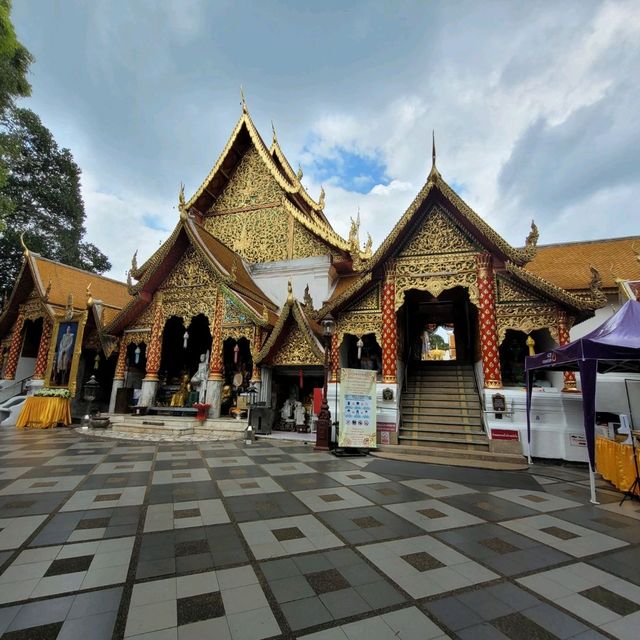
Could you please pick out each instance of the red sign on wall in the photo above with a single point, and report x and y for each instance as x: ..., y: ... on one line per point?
x: 504, y: 434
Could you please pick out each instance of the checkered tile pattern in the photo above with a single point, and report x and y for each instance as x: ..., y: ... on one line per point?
x: 103, y: 539
x: 487, y: 322
x: 389, y: 327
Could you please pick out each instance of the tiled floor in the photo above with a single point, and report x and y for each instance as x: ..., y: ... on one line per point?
x: 104, y: 539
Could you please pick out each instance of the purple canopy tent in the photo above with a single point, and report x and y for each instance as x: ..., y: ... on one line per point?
x: 613, y: 346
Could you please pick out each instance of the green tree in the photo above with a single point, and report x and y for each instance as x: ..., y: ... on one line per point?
x: 43, y: 186
x: 14, y: 65
x: 14, y: 61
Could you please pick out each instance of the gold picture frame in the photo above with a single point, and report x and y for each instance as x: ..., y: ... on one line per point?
x: 65, y: 325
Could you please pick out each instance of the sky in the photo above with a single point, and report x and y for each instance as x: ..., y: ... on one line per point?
x: 534, y: 106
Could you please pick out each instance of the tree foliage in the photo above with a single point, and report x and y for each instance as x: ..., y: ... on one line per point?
x: 43, y: 187
x: 14, y: 65
x: 14, y: 61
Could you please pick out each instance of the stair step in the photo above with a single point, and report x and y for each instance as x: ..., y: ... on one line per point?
x: 453, y: 453
x: 471, y: 437
x: 441, y: 442
x: 436, y: 409
x: 429, y: 456
x: 445, y: 428
x: 438, y: 415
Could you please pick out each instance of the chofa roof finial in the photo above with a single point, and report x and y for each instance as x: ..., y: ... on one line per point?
x: 244, y: 102
x: 24, y: 246
x: 273, y: 129
x: 289, y: 292
x: 433, y: 149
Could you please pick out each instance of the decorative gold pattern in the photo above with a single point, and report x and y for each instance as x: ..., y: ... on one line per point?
x: 435, y: 274
x: 295, y: 350
x: 33, y: 308
x: 509, y: 291
x: 359, y: 324
x: 526, y: 318
x: 367, y: 303
x: 188, y: 290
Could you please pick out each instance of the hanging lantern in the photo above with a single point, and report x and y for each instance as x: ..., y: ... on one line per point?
x: 96, y: 361
x: 359, y: 344
x: 185, y: 339
x: 236, y: 351
x: 300, y: 378
x: 137, y: 354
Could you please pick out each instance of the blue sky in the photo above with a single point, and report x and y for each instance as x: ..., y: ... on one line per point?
x: 535, y: 112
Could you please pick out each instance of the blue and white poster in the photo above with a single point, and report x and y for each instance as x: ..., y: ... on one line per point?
x: 357, y: 408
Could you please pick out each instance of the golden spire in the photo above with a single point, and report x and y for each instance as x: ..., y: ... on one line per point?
x: 24, y: 246
x: 273, y: 129
x: 244, y: 102
x: 89, y: 296
x: 69, y: 308
x: 308, y: 300
x: 134, y: 261
x: 433, y: 149
x: 48, y: 291
x: 265, y: 313
x: 532, y: 238
x: 367, y: 253
x: 321, y: 198
x: 289, y: 293
x: 434, y: 174
x: 299, y: 173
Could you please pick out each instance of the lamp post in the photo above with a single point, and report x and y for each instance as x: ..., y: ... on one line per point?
x: 323, y: 429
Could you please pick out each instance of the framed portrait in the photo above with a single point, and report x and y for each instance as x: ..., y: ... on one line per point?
x: 64, y: 353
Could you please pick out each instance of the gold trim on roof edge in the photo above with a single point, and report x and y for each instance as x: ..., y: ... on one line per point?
x: 345, y: 295
x: 245, y: 119
x: 551, y: 290
x: 324, y: 231
x: 290, y: 308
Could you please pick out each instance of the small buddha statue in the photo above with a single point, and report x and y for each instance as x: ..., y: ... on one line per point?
x: 179, y: 398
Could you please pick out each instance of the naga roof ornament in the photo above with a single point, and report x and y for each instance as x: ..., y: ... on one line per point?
x: 531, y: 243
x: 597, y: 295
x: 321, y: 198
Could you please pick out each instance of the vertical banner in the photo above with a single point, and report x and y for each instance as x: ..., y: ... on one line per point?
x: 357, y: 408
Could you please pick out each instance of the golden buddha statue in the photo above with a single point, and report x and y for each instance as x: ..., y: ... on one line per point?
x: 179, y: 398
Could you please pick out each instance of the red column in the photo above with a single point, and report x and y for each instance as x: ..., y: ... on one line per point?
x: 155, y: 343
x: 257, y: 344
x: 564, y: 325
x: 215, y: 362
x: 334, y: 374
x: 389, y: 327
x: 122, y: 358
x: 43, y: 350
x: 487, y: 325
x: 14, y: 347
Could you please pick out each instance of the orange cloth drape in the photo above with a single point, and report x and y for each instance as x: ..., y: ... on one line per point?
x: 43, y: 413
x: 614, y: 462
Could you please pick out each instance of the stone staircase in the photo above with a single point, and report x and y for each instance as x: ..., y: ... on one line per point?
x: 441, y: 420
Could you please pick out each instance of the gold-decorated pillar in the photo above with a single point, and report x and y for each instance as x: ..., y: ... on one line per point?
x: 564, y: 326
x: 487, y: 325
x: 215, y: 362
x: 389, y: 326
x: 154, y: 351
x: 15, y: 347
x: 43, y: 350
x: 257, y: 344
x: 122, y: 360
x: 334, y: 374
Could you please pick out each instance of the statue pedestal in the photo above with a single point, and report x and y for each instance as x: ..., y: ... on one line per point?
x: 148, y: 393
x: 214, y: 392
x: 117, y: 384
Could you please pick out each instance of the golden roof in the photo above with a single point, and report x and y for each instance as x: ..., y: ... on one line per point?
x: 67, y: 280
x: 568, y: 264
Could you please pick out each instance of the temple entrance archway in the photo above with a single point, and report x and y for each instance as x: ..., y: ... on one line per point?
x: 366, y: 355
x: 438, y: 327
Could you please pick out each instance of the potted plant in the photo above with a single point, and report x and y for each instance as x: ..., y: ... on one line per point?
x: 202, y: 409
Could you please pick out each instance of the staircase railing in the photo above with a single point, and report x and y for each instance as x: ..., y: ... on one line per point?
x: 480, y: 392
x: 17, y: 387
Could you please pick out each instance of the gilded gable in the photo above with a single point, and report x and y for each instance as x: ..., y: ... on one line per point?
x: 367, y: 303
x: 251, y: 184
x: 509, y: 291
x: 294, y: 349
x: 438, y: 233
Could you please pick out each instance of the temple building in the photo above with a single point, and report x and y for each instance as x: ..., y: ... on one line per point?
x: 229, y: 311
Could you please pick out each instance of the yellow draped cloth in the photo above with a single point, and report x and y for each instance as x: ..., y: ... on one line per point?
x: 41, y: 412
x: 614, y: 462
